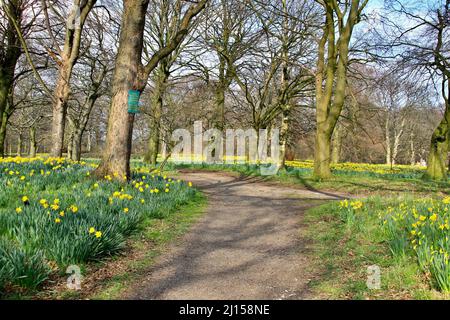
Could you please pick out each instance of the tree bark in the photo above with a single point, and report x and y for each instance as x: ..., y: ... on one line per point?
x: 336, y: 145
x: 116, y: 159
x: 3, y: 126
x: 397, y: 137
x: 62, y: 93
x: 70, y: 144
x: 76, y: 146
x: 69, y: 57
x: 33, y: 147
x: 387, y: 137
x: 89, y: 142
x: 9, y: 57
x: 4, y: 90
x: 79, y: 126
x: 157, y: 101
x: 322, y: 153
x: 19, y: 144
x: 437, y: 159
x: 284, y: 134
x: 412, y: 149
x: 222, y: 85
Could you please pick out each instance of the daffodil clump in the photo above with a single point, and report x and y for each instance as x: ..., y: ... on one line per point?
x: 421, y: 227
x: 417, y: 228
x: 348, y: 168
x: 349, y: 211
x: 54, y: 214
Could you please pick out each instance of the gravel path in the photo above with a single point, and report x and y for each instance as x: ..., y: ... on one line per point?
x: 248, y: 245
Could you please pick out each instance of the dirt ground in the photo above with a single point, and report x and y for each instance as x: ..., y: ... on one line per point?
x: 248, y: 245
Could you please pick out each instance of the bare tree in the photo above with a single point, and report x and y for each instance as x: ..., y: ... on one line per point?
x: 129, y: 74
x: 163, y: 24
x: 331, y: 75
x: 66, y: 59
x: 92, y: 81
x: 424, y: 45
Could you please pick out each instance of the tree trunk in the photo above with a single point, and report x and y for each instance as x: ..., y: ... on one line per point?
x: 89, y: 141
x: 154, y: 141
x: 3, y: 126
x: 412, y: 149
x: 4, y: 90
x: 19, y: 145
x: 70, y: 146
x: 79, y: 127
x: 33, y: 142
x: 116, y: 158
x: 155, y: 119
x: 76, y: 145
x: 437, y: 159
x: 222, y: 85
x: 436, y: 169
x: 69, y: 57
x: 284, y: 131
x: 8, y: 62
x: 336, y: 145
x: 62, y: 93
x: 322, y: 153
x: 331, y: 79
x: 397, y: 138
x: 387, y: 138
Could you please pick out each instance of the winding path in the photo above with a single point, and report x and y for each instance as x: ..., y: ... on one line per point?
x: 248, y: 245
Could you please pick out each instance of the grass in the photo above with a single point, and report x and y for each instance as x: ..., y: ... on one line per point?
x: 154, y: 238
x: 345, y: 247
x: 347, y: 244
x: 115, y: 248
x: 53, y: 215
x: 352, y: 181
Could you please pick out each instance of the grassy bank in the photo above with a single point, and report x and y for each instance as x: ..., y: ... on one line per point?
x: 349, y: 178
x: 351, y: 236
x: 54, y: 215
x: 112, y: 278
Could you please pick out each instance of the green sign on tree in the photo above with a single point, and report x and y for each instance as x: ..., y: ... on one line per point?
x: 133, y: 101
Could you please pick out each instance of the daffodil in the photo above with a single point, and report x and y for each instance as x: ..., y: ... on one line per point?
x: 19, y: 210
